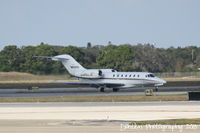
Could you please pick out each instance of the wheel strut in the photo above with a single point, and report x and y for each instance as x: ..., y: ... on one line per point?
x: 102, y: 89
x: 115, y: 89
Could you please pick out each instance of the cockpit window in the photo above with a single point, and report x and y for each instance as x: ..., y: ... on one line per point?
x: 113, y: 70
x: 150, y: 75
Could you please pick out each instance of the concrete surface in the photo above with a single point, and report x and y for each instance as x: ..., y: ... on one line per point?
x: 63, y: 126
x: 95, y: 117
x: 100, y: 111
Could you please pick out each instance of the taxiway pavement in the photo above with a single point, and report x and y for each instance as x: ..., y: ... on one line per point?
x: 80, y: 91
x: 89, y: 117
x: 124, y: 111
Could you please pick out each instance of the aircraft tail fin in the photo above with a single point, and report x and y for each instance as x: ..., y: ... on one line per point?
x: 73, y: 67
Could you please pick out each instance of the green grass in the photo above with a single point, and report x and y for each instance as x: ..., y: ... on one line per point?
x: 116, y: 98
x: 167, y: 122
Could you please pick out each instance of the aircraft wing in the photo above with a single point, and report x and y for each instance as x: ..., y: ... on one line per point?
x: 91, y: 84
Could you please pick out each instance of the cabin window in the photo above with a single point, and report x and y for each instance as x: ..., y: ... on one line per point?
x: 129, y: 75
x: 117, y: 75
x: 134, y: 75
x: 121, y: 75
x: 113, y: 75
x: 138, y: 75
x: 125, y: 75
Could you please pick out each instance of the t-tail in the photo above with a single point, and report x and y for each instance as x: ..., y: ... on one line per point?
x: 73, y: 67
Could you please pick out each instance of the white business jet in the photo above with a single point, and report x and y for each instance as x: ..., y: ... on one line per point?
x: 105, y: 78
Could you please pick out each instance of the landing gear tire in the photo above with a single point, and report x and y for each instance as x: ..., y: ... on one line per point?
x: 102, y: 89
x: 115, y: 90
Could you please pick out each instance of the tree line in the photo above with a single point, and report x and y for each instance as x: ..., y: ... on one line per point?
x: 126, y: 57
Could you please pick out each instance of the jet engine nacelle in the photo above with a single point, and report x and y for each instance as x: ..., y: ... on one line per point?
x: 91, y: 74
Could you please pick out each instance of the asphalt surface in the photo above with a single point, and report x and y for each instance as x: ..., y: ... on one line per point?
x: 96, y: 104
x: 52, y: 92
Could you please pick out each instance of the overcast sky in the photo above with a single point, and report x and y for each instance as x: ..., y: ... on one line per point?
x: 163, y: 23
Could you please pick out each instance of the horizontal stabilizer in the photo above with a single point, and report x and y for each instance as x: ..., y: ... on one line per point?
x: 49, y: 57
x: 56, y: 58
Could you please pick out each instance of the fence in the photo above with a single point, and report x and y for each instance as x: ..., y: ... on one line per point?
x: 179, y: 74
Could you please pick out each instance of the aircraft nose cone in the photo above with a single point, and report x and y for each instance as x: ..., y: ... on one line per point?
x: 163, y: 81
x: 160, y: 82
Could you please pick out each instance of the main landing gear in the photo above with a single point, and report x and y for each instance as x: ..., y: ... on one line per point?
x: 102, y: 89
x: 156, y: 89
x: 115, y: 89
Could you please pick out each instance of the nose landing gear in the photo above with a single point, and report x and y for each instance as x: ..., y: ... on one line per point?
x: 115, y: 89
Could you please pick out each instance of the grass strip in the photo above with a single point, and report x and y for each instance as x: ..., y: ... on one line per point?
x: 168, y: 122
x: 116, y: 98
